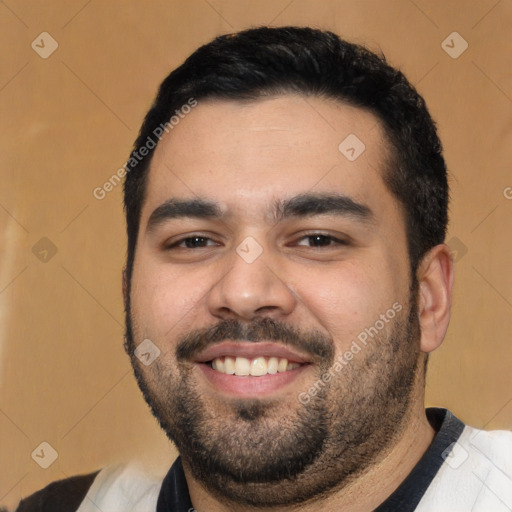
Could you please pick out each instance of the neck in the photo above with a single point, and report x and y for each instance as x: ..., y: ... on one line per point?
x: 368, y: 490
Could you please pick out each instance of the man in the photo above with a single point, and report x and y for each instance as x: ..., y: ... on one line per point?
x: 286, y: 279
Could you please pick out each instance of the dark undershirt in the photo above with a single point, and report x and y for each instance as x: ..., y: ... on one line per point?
x: 174, y: 495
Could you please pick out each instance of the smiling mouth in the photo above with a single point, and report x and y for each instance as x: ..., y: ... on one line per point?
x: 256, y: 367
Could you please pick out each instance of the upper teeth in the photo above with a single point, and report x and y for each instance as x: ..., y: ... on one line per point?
x: 255, y: 367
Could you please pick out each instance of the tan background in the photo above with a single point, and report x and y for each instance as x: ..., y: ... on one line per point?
x: 68, y: 123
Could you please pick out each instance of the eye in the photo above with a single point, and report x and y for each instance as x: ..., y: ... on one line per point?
x: 192, y: 242
x: 320, y: 240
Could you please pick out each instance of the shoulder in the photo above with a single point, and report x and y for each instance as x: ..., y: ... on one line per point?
x: 476, y: 474
x: 63, y: 495
x: 492, y: 448
x: 123, y: 487
x: 115, y: 488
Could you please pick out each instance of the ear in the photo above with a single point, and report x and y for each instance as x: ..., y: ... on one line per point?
x: 435, y: 278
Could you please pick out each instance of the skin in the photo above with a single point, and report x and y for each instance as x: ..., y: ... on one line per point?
x: 244, y: 157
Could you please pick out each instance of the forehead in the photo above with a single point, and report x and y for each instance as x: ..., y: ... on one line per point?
x: 249, y: 154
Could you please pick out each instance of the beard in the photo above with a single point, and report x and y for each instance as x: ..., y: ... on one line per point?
x: 271, y: 452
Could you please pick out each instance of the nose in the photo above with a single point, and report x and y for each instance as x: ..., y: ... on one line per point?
x: 250, y: 290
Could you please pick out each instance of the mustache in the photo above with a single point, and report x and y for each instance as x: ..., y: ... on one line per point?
x: 317, y: 345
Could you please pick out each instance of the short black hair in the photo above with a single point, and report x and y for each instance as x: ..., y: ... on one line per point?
x: 264, y: 61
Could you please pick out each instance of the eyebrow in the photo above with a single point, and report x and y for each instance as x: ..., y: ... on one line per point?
x: 179, y: 208
x: 302, y: 205
x: 307, y: 205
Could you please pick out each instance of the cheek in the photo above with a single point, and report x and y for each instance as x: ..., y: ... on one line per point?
x: 163, y: 301
x: 346, y: 301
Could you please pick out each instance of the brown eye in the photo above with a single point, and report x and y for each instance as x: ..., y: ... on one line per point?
x: 195, y: 241
x: 320, y: 240
x: 192, y: 242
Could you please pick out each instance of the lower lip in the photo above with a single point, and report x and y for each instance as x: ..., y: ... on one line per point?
x: 250, y: 387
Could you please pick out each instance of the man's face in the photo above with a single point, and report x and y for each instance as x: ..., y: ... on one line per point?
x: 264, y: 250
